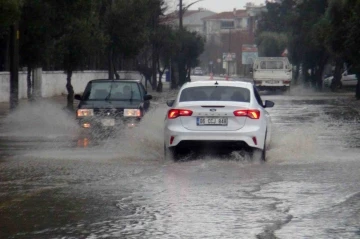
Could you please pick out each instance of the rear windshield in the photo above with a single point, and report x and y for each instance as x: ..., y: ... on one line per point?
x: 271, y: 65
x: 116, y: 90
x: 215, y: 93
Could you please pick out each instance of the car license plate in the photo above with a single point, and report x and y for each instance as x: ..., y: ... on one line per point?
x: 222, y: 121
x: 108, y: 122
x: 273, y: 82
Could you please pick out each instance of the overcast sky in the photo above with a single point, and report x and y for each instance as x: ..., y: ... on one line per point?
x: 215, y: 5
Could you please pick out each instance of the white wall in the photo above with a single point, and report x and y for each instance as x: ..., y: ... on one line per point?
x: 53, y: 83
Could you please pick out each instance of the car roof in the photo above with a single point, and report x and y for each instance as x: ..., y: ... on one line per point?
x: 115, y: 80
x: 219, y: 83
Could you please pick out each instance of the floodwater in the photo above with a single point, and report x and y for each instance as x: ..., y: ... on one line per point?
x: 55, y: 183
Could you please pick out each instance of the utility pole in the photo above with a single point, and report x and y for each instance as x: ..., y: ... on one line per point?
x: 181, y: 15
x: 181, y: 63
x: 14, y: 66
x: 228, y: 63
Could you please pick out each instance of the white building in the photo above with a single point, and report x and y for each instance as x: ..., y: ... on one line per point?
x: 192, y: 19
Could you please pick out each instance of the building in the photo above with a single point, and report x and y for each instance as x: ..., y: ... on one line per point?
x: 192, y: 19
x: 226, y: 32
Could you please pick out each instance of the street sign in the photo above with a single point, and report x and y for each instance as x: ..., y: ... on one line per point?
x: 229, y: 56
x: 249, y: 53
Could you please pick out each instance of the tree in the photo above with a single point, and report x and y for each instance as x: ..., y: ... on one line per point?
x: 128, y: 24
x: 191, y: 47
x: 166, y: 46
x: 10, y: 11
x: 271, y: 44
x: 35, y: 36
x: 78, y: 36
x: 352, y: 7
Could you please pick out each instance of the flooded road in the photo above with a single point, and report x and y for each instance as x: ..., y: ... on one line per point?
x: 56, y: 184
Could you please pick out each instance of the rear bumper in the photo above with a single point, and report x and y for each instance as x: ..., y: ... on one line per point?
x: 272, y: 87
x: 251, y: 136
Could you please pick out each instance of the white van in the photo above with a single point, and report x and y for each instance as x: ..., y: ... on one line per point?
x: 271, y: 73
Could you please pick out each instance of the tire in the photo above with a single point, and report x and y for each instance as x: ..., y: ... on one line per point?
x: 170, y: 154
x: 260, y: 154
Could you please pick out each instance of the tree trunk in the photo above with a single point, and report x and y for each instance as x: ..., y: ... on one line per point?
x: 115, y: 63
x: 182, y: 69
x: 297, y: 73
x: 188, y: 74
x: 159, y: 87
x: 110, y: 66
x: 29, y: 83
x: 336, y: 81
x: 70, y: 90
x: 173, y: 78
x: 357, y: 93
x: 154, y: 71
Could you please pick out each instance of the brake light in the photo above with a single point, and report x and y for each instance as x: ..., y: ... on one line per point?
x: 174, y: 113
x: 252, y: 114
x: 287, y: 81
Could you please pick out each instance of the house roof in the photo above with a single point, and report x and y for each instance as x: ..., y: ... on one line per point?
x: 228, y: 15
x: 174, y: 16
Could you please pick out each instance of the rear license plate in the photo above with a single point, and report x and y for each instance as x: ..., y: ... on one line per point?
x: 108, y: 122
x: 273, y: 82
x: 222, y: 121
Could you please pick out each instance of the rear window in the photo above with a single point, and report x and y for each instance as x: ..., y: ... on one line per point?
x: 271, y: 65
x: 215, y: 93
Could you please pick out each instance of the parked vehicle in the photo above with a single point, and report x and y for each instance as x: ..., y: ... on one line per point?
x: 198, y: 71
x: 348, y: 79
x: 106, y: 104
x: 218, y: 115
x: 272, y: 73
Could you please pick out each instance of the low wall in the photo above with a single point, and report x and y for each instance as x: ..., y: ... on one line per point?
x: 53, y: 83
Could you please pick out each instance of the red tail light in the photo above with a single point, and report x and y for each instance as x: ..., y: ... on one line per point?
x: 252, y: 114
x: 174, y: 113
x: 287, y: 81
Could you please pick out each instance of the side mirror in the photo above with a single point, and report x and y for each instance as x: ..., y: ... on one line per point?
x: 148, y: 97
x: 269, y: 104
x: 77, y: 97
x: 170, y: 103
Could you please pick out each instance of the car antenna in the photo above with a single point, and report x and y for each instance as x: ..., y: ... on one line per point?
x: 216, y: 83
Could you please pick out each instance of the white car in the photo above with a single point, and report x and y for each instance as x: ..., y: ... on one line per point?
x: 348, y: 79
x: 217, y: 114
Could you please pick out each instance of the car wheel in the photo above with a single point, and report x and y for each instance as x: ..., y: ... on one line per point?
x: 170, y: 154
x: 259, y: 154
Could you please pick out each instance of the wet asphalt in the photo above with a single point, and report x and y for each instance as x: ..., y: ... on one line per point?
x: 56, y: 182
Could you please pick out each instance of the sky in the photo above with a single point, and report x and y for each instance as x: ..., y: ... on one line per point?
x: 214, y: 5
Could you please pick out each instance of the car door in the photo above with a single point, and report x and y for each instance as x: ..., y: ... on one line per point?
x: 267, y: 115
x: 349, y: 78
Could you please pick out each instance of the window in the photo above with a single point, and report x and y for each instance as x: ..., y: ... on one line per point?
x: 112, y: 91
x: 271, y: 65
x: 215, y: 93
x: 227, y: 24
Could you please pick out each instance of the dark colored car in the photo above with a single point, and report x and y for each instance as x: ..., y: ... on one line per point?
x: 112, y: 103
